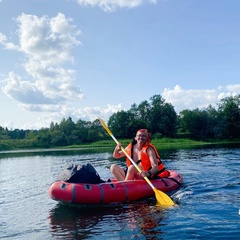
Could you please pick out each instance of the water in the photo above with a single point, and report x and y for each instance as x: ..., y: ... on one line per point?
x: 208, y: 201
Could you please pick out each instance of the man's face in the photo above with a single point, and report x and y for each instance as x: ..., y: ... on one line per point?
x: 141, y: 137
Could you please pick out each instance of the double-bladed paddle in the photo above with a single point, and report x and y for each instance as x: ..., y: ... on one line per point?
x: 162, y: 198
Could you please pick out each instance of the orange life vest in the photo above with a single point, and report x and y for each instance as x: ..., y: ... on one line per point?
x: 145, y: 161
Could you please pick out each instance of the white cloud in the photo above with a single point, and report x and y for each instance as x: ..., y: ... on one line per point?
x: 55, y: 113
x: 91, y: 113
x: 47, y: 45
x: 112, y: 5
x: 6, y: 44
x: 190, y: 99
x: 42, y: 39
x: 233, y: 89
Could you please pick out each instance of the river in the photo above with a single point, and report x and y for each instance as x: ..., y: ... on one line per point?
x: 208, y: 202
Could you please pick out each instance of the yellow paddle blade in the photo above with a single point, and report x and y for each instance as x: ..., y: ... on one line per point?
x: 163, y: 199
x: 105, y: 126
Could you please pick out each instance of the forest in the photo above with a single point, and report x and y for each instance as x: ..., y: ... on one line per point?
x: 156, y: 115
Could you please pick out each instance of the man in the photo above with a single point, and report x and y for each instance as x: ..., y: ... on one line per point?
x: 144, y: 154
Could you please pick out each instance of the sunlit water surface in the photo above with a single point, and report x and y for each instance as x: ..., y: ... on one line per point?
x: 208, y: 203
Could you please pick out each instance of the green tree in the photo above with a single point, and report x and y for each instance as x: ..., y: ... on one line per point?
x: 194, y: 122
x: 141, y: 113
x: 57, y: 138
x: 162, y: 117
x: 230, y: 112
x: 44, y: 138
x: 95, y: 130
x: 67, y: 127
x: 120, y: 124
x: 82, y: 130
x: 215, y: 123
x: 4, y: 133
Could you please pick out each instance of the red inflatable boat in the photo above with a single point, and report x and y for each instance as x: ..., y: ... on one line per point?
x: 111, y: 192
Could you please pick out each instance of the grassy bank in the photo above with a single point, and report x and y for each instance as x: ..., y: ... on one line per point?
x: 159, y: 143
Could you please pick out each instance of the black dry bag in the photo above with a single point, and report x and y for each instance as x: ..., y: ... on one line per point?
x: 85, y: 173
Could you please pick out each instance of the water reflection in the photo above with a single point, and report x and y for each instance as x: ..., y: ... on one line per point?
x: 142, y: 218
x: 148, y: 219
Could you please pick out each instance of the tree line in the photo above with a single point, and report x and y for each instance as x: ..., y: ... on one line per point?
x: 156, y: 115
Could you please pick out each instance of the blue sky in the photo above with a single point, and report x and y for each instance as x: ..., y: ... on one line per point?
x: 88, y: 58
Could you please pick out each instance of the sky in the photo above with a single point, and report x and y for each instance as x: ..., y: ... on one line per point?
x: 91, y: 58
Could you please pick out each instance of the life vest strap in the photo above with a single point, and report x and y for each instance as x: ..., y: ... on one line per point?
x: 158, y: 172
x: 137, y: 162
